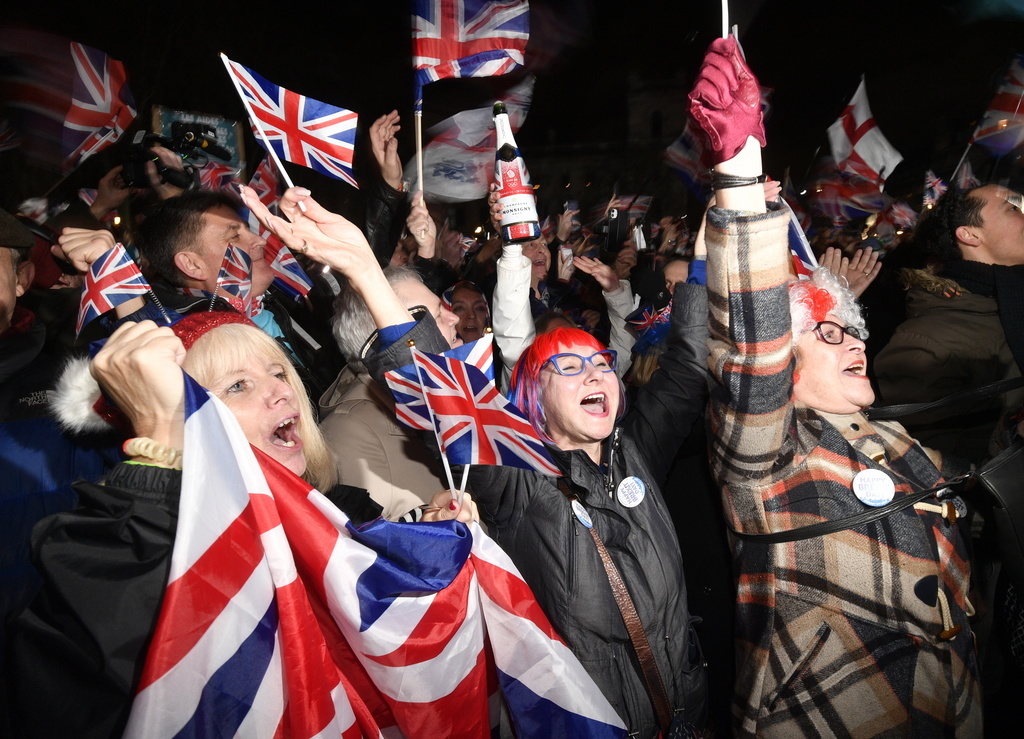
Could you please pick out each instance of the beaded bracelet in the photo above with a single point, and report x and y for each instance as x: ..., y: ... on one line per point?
x: 721, y: 181
x: 142, y: 446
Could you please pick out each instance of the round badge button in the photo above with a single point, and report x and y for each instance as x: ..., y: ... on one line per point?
x: 874, y: 488
x: 631, y: 492
x: 581, y: 514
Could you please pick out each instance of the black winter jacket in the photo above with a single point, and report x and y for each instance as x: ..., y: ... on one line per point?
x: 532, y: 520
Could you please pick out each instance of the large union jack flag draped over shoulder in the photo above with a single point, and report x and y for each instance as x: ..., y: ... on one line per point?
x: 282, y: 619
x: 474, y: 423
x: 467, y: 38
x: 111, y: 280
x: 858, y: 144
x: 102, y: 106
x: 299, y: 129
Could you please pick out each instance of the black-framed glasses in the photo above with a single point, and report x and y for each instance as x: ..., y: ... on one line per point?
x: 573, y: 364
x: 832, y: 333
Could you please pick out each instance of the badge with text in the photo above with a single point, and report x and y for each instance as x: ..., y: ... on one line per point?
x: 581, y: 514
x: 873, y: 488
x: 631, y: 492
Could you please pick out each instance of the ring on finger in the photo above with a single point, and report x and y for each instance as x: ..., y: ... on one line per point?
x: 304, y: 248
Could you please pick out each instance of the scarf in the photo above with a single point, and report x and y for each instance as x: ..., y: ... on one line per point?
x: 1006, y: 285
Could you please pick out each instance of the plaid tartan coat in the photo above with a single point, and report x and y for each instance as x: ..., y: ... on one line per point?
x: 836, y: 635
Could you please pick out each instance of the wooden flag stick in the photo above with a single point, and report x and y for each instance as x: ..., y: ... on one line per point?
x: 462, y: 485
x: 419, y: 148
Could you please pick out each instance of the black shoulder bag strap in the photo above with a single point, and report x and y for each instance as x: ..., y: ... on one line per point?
x: 641, y: 646
x: 841, y: 524
x: 888, y: 412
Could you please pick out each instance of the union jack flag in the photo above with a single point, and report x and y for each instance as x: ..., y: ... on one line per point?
x: 1002, y: 128
x: 964, y: 176
x: 858, y: 144
x: 216, y: 176
x: 236, y: 276
x: 847, y: 197
x: 111, y: 280
x: 298, y: 128
x: 648, y: 318
x: 311, y: 627
x: 35, y: 85
x: 288, y: 273
x: 410, y: 406
x: 933, y: 189
x: 474, y: 423
x: 467, y: 38
x: 691, y: 159
x: 267, y: 184
x: 102, y: 106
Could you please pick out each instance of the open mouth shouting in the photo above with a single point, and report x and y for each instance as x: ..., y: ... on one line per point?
x: 856, y: 369
x: 286, y: 434
x: 595, y: 404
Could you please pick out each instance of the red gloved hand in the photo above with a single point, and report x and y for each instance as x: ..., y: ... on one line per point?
x: 726, y: 100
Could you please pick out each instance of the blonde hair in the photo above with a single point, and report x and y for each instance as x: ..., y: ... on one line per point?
x: 212, y: 352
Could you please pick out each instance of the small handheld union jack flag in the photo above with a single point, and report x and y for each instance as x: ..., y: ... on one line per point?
x: 298, y: 128
x: 111, y: 280
x: 410, y: 406
x: 102, y: 106
x: 216, y: 176
x: 288, y: 273
x: 236, y: 276
x: 933, y: 189
x: 467, y: 38
x: 474, y: 423
x: 267, y: 184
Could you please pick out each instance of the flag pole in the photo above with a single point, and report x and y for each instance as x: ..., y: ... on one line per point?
x: 462, y: 485
x: 725, y: 18
x: 256, y: 124
x: 418, y: 116
x: 959, y: 164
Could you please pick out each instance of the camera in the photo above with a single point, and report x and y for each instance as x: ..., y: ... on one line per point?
x: 194, y: 142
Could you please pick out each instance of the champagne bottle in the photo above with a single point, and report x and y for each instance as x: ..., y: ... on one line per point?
x: 518, y: 205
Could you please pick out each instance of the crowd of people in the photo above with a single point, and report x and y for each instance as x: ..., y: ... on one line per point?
x: 733, y: 545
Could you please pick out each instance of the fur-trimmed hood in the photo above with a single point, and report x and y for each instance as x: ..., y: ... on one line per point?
x: 927, y: 280
x: 75, y: 399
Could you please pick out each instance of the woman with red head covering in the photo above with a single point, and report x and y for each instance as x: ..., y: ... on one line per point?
x: 852, y: 614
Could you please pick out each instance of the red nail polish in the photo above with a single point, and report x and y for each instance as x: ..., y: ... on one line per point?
x: 453, y: 506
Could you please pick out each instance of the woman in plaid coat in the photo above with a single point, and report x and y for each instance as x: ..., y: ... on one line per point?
x: 861, y: 632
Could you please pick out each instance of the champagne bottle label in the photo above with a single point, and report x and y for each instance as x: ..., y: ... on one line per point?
x: 519, y: 220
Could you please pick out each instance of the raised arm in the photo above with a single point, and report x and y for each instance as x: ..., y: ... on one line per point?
x: 330, y: 239
x: 750, y: 342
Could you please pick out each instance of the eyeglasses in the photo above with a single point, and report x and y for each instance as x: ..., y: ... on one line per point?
x: 574, y: 364
x: 833, y: 333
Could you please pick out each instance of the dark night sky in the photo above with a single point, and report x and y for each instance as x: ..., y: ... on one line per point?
x: 930, y: 71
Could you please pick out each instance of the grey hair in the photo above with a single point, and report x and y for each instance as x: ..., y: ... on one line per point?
x: 352, y: 323
x: 806, y: 306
